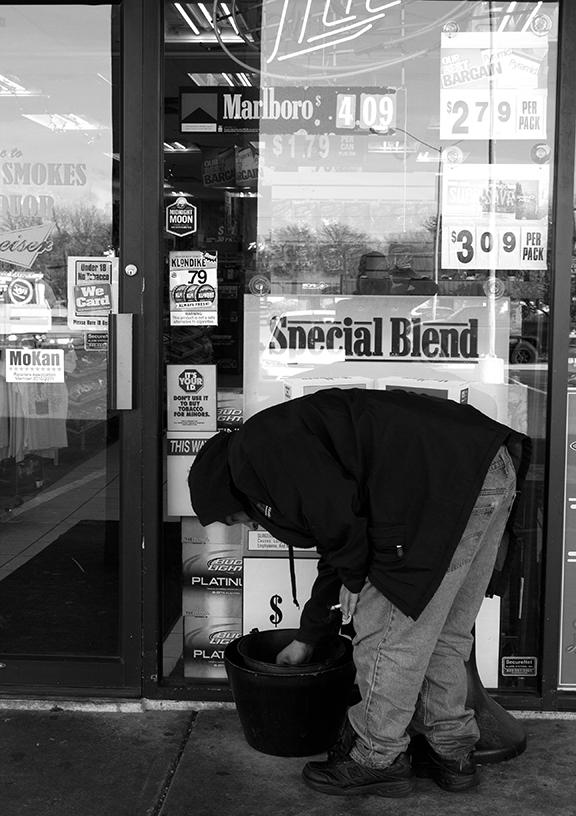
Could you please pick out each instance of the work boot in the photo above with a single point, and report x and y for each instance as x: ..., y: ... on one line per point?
x: 348, y: 778
x: 454, y: 775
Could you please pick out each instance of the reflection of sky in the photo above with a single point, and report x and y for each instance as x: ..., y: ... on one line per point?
x: 62, y: 53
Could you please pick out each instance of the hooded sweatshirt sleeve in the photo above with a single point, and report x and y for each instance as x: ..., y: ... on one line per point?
x: 311, y: 489
x: 318, y: 620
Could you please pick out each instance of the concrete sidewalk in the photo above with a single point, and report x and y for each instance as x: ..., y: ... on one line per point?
x: 97, y: 761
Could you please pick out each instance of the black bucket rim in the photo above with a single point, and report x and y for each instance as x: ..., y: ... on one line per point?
x: 270, y: 641
x: 233, y: 656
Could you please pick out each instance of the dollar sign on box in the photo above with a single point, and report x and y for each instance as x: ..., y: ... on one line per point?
x: 277, y: 613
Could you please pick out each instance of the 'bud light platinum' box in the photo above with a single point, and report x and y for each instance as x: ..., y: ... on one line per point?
x: 204, y: 644
x: 194, y: 533
x: 212, y: 566
x: 218, y: 600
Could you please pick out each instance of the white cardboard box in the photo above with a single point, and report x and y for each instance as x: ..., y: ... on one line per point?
x: 456, y: 390
x: 204, y: 644
x: 300, y: 386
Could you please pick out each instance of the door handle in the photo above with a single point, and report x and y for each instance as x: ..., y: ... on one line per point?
x: 120, y: 362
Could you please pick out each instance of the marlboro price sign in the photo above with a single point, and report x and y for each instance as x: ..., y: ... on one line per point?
x: 194, y: 288
x: 287, y: 110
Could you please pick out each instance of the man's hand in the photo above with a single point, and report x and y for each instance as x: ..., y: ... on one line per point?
x: 348, y: 601
x: 294, y: 654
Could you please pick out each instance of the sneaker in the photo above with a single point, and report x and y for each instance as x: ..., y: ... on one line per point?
x: 349, y: 778
x: 454, y: 775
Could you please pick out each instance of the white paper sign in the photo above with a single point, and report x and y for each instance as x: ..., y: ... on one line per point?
x: 191, y: 397
x: 493, y: 85
x: 92, y: 292
x: 267, y: 602
x: 34, y: 365
x: 194, y: 288
x: 495, y: 216
x: 182, y: 447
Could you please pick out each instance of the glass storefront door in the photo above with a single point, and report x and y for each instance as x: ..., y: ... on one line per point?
x: 355, y: 195
x: 63, y: 600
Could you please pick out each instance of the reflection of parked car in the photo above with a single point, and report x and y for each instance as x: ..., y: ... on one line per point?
x: 531, y: 345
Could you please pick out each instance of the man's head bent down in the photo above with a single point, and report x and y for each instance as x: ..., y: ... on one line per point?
x: 213, y: 497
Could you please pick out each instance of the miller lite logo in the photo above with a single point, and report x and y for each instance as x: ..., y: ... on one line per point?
x: 301, y: 32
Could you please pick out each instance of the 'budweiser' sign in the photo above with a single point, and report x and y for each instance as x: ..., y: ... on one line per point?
x: 22, y: 247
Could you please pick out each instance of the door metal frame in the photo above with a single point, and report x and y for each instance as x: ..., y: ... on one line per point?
x: 151, y: 357
x: 120, y: 676
x: 556, y: 430
x: 548, y: 697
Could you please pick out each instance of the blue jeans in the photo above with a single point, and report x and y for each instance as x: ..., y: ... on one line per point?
x: 412, y: 674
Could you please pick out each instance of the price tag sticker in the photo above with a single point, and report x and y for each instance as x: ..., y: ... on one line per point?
x: 493, y: 114
x: 346, y: 110
x: 507, y: 247
x: 376, y: 111
x: 365, y: 111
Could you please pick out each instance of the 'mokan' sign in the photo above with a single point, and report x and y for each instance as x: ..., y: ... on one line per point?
x: 35, y: 365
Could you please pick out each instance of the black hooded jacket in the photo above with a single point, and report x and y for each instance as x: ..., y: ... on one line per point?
x: 382, y: 483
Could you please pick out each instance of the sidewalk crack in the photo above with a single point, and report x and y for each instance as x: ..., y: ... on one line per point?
x: 170, y: 774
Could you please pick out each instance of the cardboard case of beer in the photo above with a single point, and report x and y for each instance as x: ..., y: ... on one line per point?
x: 300, y: 386
x: 456, y: 390
x: 221, y: 534
x: 212, y: 597
x: 204, y: 644
x: 212, y: 566
x: 212, y: 569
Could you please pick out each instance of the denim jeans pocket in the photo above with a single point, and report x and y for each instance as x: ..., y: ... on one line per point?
x: 490, y: 512
x: 502, y: 463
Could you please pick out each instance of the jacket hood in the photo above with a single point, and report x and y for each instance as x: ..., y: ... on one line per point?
x: 211, y: 491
